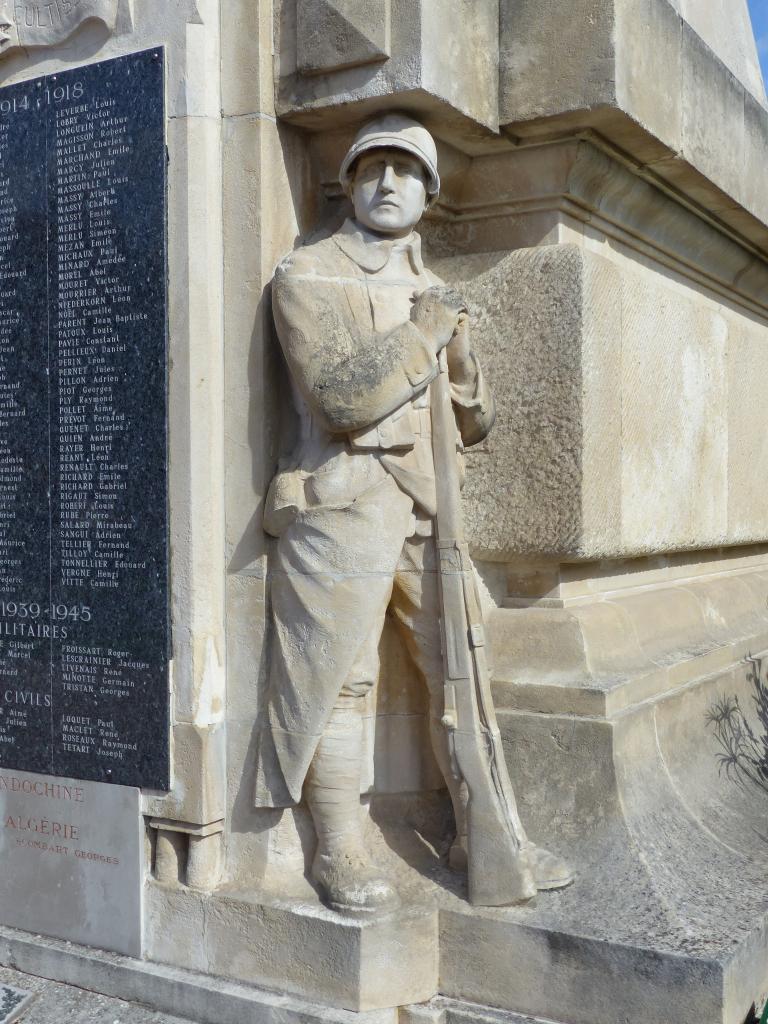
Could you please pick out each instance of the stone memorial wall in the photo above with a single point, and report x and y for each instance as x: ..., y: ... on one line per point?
x: 601, y: 213
x: 83, y: 508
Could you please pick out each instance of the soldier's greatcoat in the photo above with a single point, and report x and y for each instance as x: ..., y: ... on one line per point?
x: 359, y: 484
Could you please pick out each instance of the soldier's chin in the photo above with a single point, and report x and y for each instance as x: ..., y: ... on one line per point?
x: 388, y: 219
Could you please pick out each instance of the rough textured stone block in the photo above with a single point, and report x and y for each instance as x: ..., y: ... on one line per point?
x: 332, y: 34
x: 615, y: 404
x: 452, y: 72
x: 532, y: 361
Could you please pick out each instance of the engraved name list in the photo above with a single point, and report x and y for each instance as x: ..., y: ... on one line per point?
x: 83, y: 508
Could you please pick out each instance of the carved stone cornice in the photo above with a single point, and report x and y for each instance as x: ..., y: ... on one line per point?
x: 584, y: 179
x: 499, y: 74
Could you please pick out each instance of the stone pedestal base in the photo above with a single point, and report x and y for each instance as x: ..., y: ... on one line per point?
x: 629, y: 764
x: 298, y: 947
x: 205, y: 999
x: 541, y: 956
x: 630, y: 705
x: 191, y: 995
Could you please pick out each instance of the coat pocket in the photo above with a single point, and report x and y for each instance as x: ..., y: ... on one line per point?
x: 285, y: 500
x: 343, y: 479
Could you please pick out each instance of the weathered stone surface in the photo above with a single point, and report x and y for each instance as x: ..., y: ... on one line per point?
x: 674, y: 449
x: 542, y: 193
x: 707, y: 100
x: 600, y: 644
x: 194, y: 139
x: 594, y: 362
x: 333, y: 34
x: 630, y: 299
x: 649, y: 75
x: 593, y: 978
x: 531, y: 34
x: 199, y: 751
x: 26, y: 23
x: 300, y: 948
x: 727, y: 30
x: 671, y: 854
x: 747, y: 362
x: 197, y: 995
x: 639, y: 74
x: 452, y: 72
x: 535, y: 366
x: 54, y: 1001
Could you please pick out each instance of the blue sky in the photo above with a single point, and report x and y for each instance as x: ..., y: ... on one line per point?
x: 759, y: 11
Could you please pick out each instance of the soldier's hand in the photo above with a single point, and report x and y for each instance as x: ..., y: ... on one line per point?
x: 460, y: 362
x: 436, y: 312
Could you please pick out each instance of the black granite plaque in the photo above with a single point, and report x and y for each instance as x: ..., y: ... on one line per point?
x: 83, y: 495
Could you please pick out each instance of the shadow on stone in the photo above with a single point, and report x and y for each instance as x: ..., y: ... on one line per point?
x: 744, y: 751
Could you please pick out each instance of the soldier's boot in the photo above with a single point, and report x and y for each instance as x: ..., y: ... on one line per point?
x: 342, y: 868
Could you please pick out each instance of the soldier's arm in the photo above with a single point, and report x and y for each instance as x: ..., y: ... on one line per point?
x: 349, y: 376
x: 473, y: 404
x: 474, y: 407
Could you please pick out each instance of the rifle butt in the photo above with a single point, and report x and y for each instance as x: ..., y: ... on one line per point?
x: 499, y: 872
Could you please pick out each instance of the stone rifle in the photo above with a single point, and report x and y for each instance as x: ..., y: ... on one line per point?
x: 499, y: 873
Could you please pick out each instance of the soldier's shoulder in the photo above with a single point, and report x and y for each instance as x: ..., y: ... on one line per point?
x: 314, y: 259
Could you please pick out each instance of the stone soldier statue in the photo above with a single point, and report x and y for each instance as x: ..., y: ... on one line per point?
x: 361, y: 323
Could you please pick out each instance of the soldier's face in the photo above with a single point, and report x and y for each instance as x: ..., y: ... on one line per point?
x: 389, y: 191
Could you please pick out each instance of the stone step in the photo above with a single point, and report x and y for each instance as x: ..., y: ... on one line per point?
x: 668, y: 917
x: 191, y: 995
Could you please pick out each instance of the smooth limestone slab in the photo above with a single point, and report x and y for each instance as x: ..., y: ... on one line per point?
x: 71, y: 855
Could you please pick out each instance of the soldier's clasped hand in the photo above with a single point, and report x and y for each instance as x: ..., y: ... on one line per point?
x: 437, y: 312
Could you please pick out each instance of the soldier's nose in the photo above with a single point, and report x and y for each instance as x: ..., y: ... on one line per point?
x: 387, y: 183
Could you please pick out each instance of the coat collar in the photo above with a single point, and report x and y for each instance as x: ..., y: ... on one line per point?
x: 372, y: 252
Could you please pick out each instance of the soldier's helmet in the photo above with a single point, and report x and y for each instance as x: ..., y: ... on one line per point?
x: 394, y: 131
